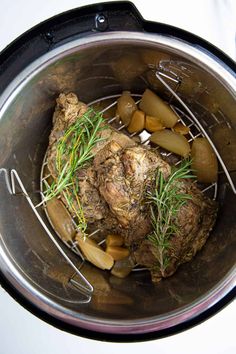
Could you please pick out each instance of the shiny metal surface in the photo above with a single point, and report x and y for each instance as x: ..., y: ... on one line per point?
x: 11, y: 179
x: 93, y: 67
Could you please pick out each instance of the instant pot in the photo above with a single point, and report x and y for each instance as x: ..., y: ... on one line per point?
x: 98, y: 51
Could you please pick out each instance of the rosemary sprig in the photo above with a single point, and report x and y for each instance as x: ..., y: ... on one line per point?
x: 165, y: 202
x: 74, y: 152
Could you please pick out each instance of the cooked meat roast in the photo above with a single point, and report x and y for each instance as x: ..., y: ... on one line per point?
x: 112, y: 193
x: 195, y: 220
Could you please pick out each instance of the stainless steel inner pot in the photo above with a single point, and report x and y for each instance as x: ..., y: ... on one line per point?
x: 96, y: 66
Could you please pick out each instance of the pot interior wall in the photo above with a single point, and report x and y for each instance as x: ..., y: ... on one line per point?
x: 93, y: 72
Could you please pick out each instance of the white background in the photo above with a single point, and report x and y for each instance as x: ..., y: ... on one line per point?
x: 23, y: 333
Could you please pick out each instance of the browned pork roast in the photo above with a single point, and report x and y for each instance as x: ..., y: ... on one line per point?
x: 112, y: 193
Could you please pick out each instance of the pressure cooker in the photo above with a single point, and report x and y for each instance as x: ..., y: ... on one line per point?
x: 97, y: 52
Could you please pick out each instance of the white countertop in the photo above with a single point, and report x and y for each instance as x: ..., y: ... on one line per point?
x: 23, y: 333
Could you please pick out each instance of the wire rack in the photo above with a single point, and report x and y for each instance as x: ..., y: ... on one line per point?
x: 186, y: 117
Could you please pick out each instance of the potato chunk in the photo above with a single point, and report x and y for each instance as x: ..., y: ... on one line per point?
x: 114, y: 240
x: 126, y: 107
x: 117, y: 252
x: 94, y: 253
x: 204, y: 161
x: 171, y: 141
x: 61, y: 219
x: 137, y: 122
x: 181, y: 128
x: 153, y: 124
x: 154, y: 106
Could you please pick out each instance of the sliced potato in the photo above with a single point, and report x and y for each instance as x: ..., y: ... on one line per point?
x: 153, y: 124
x: 126, y: 106
x: 154, y: 106
x: 114, y: 240
x: 123, y: 267
x: 94, y: 253
x: 137, y: 122
x: 204, y: 161
x: 117, y: 252
x: 61, y: 219
x: 171, y: 141
x: 181, y: 128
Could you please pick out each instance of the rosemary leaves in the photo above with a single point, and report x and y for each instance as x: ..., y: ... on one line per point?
x: 74, y: 152
x: 165, y: 202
